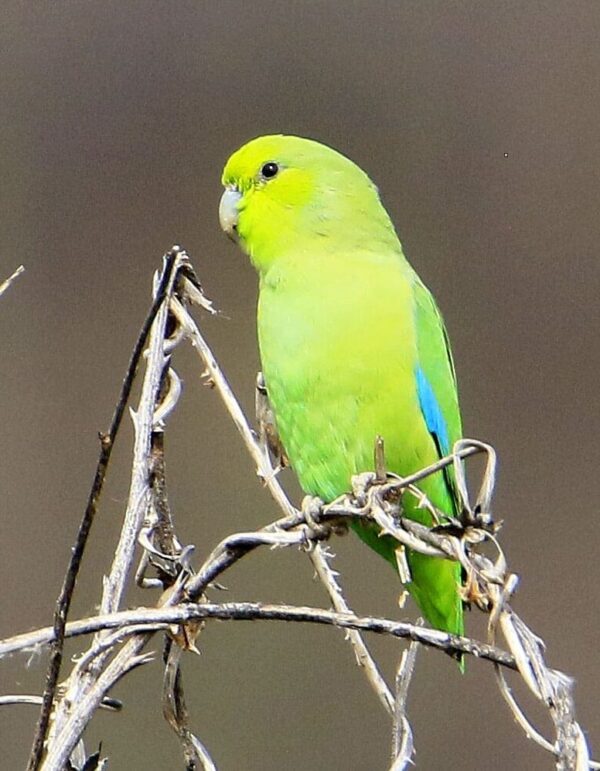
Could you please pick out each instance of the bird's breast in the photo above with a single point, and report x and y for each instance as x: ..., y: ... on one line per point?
x: 338, y: 353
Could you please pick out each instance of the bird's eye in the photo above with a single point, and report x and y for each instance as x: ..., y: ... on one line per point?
x: 269, y: 170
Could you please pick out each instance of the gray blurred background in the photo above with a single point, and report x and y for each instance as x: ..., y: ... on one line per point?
x: 479, y: 122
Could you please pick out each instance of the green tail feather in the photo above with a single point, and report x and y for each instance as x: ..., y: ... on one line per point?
x: 435, y: 582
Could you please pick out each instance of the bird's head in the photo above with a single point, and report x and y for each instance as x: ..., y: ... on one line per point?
x: 287, y: 194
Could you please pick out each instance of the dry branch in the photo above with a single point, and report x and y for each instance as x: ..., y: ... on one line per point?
x: 133, y: 622
x: 66, y: 593
x: 402, y: 745
x: 120, y: 636
x: 7, y: 282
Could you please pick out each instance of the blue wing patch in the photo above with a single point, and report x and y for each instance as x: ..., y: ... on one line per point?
x: 432, y: 413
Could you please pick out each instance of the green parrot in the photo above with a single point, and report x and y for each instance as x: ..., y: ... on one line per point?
x: 352, y: 344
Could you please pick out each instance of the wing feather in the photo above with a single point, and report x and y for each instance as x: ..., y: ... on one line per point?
x: 436, y: 377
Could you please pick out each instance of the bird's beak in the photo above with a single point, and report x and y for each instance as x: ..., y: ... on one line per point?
x: 228, y: 211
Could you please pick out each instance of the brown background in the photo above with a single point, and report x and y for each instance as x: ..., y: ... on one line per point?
x: 479, y: 122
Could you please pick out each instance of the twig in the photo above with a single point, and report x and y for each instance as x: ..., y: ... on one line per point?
x: 114, y: 705
x: 402, y: 746
x: 175, y: 711
x: 223, y: 388
x: 129, y: 654
x: 7, y: 282
x: 20, y: 698
x: 229, y: 551
x: 160, y: 618
x: 61, y: 745
x: 106, y: 445
x: 553, y: 688
x: 328, y: 576
x: 144, y: 422
x: 115, y: 583
x: 86, y: 687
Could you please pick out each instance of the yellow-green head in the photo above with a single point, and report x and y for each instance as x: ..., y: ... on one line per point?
x: 288, y: 194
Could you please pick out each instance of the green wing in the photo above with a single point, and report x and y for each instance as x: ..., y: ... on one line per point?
x: 436, y: 582
x: 436, y: 379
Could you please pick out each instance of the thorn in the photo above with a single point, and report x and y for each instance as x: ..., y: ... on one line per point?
x: 105, y: 440
x: 269, y: 475
x: 134, y: 417
x: 207, y: 379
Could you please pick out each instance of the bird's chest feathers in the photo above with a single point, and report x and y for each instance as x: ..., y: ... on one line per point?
x: 338, y: 351
x: 322, y: 318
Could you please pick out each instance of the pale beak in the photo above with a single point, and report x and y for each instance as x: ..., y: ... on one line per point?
x: 228, y: 211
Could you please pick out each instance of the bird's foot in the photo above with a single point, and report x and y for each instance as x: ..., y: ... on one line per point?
x: 315, y: 530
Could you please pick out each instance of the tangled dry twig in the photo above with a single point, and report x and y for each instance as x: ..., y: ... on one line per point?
x: 119, y: 637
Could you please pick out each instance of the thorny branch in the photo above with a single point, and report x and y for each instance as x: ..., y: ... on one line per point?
x: 120, y: 636
x: 106, y: 445
x: 132, y: 622
x: 402, y: 744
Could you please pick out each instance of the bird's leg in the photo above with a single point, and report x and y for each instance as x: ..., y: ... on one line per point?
x: 315, y: 530
x: 268, y: 438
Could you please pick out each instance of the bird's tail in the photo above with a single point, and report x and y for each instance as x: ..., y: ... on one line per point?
x: 435, y: 583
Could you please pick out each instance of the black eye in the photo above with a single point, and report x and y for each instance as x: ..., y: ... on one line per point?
x: 269, y: 170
